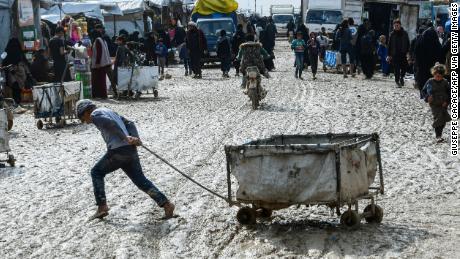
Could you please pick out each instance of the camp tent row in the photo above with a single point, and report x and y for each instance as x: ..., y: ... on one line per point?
x: 116, y: 14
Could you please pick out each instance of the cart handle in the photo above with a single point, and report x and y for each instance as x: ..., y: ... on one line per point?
x: 185, y: 175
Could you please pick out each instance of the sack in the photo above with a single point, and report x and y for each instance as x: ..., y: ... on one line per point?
x: 330, y: 59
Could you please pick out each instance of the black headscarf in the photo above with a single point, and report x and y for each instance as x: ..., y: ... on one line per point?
x: 15, y: 53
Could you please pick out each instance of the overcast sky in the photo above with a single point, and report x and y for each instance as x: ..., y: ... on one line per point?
x: 249, y: 4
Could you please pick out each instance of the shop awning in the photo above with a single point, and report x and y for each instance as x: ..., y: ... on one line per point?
x: 6, y: 4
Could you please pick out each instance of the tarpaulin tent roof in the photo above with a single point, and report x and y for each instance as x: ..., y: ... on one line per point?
x: 54, y: 14
x: 89, y: 9
x: 207, y: 7
x: 129, y: 6
x: 5, y: 4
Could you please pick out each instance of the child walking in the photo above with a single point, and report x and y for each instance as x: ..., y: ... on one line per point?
x: 184, y: 55
x: 382, y: 52
x: 437, y: 93
x: 299, y: 46
x: 224, y: 52
x: 162, y: 53
x: 314, y: 49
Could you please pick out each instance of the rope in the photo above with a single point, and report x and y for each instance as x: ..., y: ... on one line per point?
x: 185, y: 175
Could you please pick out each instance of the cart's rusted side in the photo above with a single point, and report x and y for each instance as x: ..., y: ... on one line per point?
x: 351, y: 141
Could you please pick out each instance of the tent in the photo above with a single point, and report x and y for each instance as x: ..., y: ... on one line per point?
x: 89, y: 9
x: 5, y: 22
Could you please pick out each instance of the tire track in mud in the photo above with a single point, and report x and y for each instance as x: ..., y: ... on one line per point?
x: 237, y: 117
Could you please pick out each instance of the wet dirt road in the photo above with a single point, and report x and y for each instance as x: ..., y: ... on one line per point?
x: 45, y: 203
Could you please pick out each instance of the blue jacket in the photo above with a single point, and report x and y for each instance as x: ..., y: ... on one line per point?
x: 161, y: 50
x: 113, y: 127
x: 345, y: 37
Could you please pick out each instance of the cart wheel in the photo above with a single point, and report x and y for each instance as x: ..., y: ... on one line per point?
x: 350, y: 218
x: 155, y: 93
x: 11, y: 160
x: 40, y: 124
x: 264, y: 213
x: 10, y: 124
x: 246, y: 216
x: 378, y: 215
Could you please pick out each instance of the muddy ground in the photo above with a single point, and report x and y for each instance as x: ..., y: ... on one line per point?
x: 46, y: 201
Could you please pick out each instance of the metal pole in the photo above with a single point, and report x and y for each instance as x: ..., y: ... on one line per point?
x: 114, y: 25
x: 255, y: 6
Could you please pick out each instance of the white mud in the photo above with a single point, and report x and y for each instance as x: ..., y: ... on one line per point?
x: 46, y: 201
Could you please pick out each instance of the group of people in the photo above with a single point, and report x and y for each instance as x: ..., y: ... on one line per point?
x: 428, y: 55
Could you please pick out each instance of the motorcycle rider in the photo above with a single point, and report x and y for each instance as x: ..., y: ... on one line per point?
x: 252, y: 54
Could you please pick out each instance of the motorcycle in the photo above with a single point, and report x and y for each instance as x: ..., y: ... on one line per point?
x: 253, y: 86
x: 6, y: 104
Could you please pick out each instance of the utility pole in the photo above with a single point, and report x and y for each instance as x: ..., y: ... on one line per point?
x: 301, y: 10
x: 255, y: 6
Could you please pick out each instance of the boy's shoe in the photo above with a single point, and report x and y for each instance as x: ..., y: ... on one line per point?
x: 401, y: 82
x: 169, y: 210
x: 237, y: 74
x: 398, y: 85
x: 102, y: 211
x: 439, y: 140
x: 314, y: 77
x: 186, y: 73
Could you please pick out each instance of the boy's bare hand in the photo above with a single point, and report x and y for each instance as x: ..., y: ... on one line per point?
x: 445, y: 104
x: 134, y: 141
x: 430, y: 99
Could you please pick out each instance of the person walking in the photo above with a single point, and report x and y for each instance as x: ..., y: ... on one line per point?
x: 39, y: 67
x: 58, y: 51
x: 101, y: 67
x: 185, y: 57
x: 224, y: 52
x: 305, y: 36
x: 344, y: 36
x: 196, y: 44
x: 18, y: 72
x: 299, y: 46
x: 123, y: 57
x: 239, y: 37
x: 398, y: 47
x: 270, y: 35
x: 382, y: 53
x: 162, y: 54
x: 354, y: 45
x: 149, y: 46
x: 179, y: 33
x: 323, y: 44
x: 314, y: 49
x: 428, y: 51
x: 122, y: 138
x: 290, y: 30
x: 436, y: 92
x: 367, y: 54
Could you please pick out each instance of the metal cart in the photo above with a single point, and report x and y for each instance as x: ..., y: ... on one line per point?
x: 138, y: 79
x: 54, y: 103
x: 335, y: 170
x: 4, y: 139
